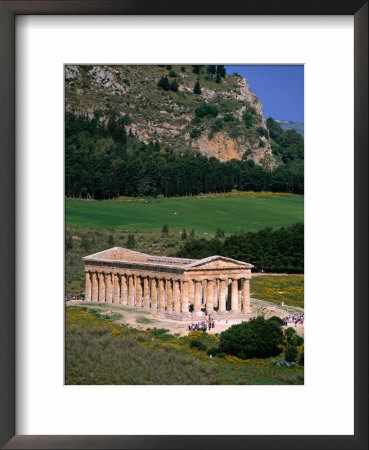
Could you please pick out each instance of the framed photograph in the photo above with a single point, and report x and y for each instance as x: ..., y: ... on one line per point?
x: 184, y: 224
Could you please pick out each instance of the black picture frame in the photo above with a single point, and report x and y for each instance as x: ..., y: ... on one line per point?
x: 8, y: 12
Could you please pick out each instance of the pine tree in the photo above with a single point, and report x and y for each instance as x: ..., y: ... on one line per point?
x: 165, y: 230
x: 184, y: 236
x: 131, y: 241
x: 211, y: 69
x: 164, y: 83
x: 192, y: 234
x: 197, y: 88
x: 174, y: 86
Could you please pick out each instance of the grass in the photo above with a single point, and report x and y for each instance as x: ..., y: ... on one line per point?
x: 231, y: 212
x: 144, y: 320
x: 101, y: 352
x: 277, y: 289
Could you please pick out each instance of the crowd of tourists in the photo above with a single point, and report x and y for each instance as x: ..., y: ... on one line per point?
x: 202, y: 326
x: 293, y: 319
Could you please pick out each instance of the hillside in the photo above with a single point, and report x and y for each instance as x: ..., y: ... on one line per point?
x: 288, y: 125
x: 223, y: 119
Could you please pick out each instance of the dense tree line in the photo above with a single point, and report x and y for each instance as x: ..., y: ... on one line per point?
x: 270, y: 250
x: 102, y: 161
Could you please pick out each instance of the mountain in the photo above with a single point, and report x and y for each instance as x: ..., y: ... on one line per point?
x: 287, y: 125
x: 224, y: 119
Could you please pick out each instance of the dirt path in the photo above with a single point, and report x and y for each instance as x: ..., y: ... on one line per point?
x: 143, y: 319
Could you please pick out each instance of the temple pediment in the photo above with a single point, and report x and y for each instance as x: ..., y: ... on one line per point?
x: 218, y: 262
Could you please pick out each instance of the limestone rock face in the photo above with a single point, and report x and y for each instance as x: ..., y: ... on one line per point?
x: 169, y: 117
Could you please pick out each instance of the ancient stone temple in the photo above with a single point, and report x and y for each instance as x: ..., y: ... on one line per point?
x: 177, y: 287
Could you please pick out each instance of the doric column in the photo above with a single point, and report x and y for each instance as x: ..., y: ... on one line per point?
x: 146, y: 293
x: 95, y: 287
x: 222, y: 295
x: 102, y: 287
x: 215, y: 294
x: 205, y: 292
x: 123, y: 290
x: 131, y: 290
x: 138, y: 292
x: 239, y: 295
x: 185, y: 286
x: 234, y: 296
x: 161, y: 295
x: 169, y: 296
x: 210, y: 297
x: 191, y: 294
x: 154, y: 295
x: 246, y: 306
x: 88, y: 287
x: 198, y: 295
x: 116, y: 288
x: 109, y: 288
x: 176, y: 297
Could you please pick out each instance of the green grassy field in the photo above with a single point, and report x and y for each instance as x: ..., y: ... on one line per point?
x: 101, y: 352
x: 277, y: 289
x: 231, y: 212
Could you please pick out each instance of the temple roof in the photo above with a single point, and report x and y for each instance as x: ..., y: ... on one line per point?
x: 125, y: 255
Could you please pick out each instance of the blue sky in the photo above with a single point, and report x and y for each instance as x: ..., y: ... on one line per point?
x: 280, y: 89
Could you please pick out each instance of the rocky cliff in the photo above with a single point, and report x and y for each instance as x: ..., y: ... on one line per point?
x: 223, y: 119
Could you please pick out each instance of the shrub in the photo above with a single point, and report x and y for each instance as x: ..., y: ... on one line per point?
x: 219, y: 234
x: 247, y: 117
x: 261, y: 143
x: 217, y: 125
x: 206, y: 111
x: 291, y: 353
x: 184, y: 236
x: 174, y: 86
x: 229, y: 117
x: 298, y: 340
x: 172, y: 74
x: 195, y: 133
x: 301, y: 359
x: 212, y: 351
x: 221, y: 355
x: 197, y: 344
x: 290, y: 333
x: 258, y: 338
x: 261, y: 131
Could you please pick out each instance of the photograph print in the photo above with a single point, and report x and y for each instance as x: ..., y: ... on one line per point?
x: 184, y: 224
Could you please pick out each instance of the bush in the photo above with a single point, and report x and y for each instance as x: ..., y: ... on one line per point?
x: 212, y: 351
x: 195, y: 133
x: 174, y: 86
x: 221, y: 355
x: 219, y: 234
x: 172, y: 74
x: 206, y: 111
x: 291, y: 353
x: 290, y: 333
x: 197, y: 344
x: 301, y: 358
x: 258, y: 338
